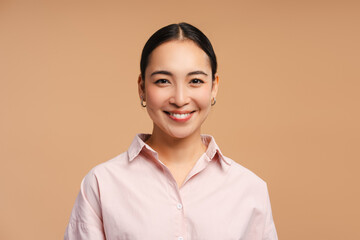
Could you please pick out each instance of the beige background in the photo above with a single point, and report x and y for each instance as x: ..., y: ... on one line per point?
x: 288, y: 105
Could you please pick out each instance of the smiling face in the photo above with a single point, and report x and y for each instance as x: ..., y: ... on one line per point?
x: 178, y: 88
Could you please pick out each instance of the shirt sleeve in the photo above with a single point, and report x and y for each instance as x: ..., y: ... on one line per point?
x: 269, y: 230
x: 86, y: 219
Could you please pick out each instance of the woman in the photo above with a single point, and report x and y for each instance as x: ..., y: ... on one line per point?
x: 174, y: 183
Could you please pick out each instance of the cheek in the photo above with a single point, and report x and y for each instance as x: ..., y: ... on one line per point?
x: 155, y: 97
x: 204, y: 98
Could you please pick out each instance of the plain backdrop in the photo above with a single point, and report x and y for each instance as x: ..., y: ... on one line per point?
x: 287, y: 109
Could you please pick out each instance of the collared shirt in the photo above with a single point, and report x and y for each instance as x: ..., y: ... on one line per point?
x: 135, y: 197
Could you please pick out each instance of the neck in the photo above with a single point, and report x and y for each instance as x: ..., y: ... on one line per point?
x: 173, y: 150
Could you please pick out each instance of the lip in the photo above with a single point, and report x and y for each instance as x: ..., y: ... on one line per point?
x: 179, y: 116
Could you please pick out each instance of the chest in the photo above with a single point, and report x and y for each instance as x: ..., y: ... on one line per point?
x: 157, y: 209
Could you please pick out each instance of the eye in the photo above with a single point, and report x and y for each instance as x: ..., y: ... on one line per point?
x: 162, y: 81
x: 196, y: 81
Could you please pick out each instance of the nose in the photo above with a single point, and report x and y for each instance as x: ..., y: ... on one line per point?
x: 180, y: 96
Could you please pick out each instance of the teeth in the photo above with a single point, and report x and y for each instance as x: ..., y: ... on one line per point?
x: 180, y: 116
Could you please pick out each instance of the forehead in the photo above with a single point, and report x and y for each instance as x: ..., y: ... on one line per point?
x: 179, y: 56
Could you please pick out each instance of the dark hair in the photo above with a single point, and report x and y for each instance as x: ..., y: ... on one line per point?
x: 179, y: 31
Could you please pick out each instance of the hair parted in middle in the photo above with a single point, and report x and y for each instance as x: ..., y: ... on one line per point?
x: 180, y: 31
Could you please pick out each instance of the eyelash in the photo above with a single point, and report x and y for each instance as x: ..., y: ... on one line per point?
x: 195, y: 81
x: 162, y: 81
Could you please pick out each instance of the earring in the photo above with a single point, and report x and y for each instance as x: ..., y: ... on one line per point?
x: 142, y: 101
x: 213, y: 101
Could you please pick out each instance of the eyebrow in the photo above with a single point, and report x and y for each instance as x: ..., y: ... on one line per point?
x: 170, y: 74
x: 161, y: 72
x: 196, y: 73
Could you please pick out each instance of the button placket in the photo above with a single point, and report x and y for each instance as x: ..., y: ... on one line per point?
x: 174, y: 192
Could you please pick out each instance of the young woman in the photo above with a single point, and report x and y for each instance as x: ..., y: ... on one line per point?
x: 174, y: 183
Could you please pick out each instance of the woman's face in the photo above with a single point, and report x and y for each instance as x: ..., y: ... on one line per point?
x: 178, y: 88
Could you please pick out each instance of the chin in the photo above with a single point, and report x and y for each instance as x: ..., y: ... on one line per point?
x: 181, y: 134
x: 177, y: 131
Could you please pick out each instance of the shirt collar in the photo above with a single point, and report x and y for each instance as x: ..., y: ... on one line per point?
x: 137, y: 146
x: 213, y: 150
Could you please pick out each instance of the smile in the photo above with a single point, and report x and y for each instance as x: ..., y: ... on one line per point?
x: 180, y: 117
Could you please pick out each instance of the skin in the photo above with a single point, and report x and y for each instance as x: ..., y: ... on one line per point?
x: 178, y: 80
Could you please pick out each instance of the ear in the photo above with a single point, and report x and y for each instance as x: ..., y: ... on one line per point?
x: 215, y: 86
x: 141, y: 87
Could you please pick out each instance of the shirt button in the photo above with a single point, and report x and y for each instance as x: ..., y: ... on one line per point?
x: 179, y: 206
x: 180, y: 238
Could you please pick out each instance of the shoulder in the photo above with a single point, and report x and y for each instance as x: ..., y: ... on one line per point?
x: 115, y: 162
x: 238, y: 175
x: 107, y: 168
x: 241, y: 175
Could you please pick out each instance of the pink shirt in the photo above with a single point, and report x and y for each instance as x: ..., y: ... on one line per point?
x: 134, y: 196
